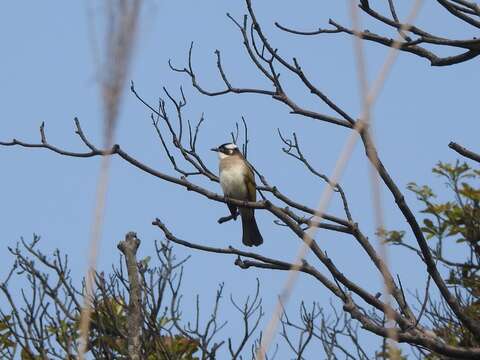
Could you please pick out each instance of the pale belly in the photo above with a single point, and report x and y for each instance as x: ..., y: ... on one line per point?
x: 232, y: 183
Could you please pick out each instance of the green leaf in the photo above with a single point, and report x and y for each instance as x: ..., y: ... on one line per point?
x: 26, y: 355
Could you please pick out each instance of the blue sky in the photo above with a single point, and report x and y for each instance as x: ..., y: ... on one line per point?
x: 48, y: 74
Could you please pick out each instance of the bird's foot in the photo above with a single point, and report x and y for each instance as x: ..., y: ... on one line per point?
x: 228, y: 218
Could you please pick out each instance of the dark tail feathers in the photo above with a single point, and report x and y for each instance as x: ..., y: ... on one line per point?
x: 251, y: 234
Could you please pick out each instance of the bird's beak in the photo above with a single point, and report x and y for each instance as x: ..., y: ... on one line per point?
x: 215, y: 149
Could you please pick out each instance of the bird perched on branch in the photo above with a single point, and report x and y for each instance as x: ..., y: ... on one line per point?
x: 238, y: 182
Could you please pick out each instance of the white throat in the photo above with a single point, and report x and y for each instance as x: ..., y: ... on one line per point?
x: 222, y: 156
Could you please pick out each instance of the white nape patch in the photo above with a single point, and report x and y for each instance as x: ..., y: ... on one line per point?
x: 231, y: 146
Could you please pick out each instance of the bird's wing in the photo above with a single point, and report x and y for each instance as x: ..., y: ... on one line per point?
x: 251, y: 188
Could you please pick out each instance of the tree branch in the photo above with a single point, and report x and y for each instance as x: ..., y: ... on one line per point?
x: 129, y: 248
x: 470, y: 47
x: 464, y: 151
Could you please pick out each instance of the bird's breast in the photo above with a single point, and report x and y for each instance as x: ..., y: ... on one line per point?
x: 233, y: 183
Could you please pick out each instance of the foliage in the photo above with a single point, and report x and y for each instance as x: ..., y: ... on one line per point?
x: 390, y: 353
x: 6, y: 335
x: 46, y: 325
x: 452, y: 226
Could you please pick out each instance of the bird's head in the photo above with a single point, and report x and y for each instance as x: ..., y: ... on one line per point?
x: 226, y: 150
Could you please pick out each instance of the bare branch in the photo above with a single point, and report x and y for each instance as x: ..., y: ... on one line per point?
x: 464, y: 151
x: 129, y: 248
x: 470, y: 47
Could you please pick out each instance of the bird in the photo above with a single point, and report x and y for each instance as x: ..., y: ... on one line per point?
x: 238, y: 182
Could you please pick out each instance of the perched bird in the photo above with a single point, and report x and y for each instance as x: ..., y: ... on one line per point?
x: 238, y: 182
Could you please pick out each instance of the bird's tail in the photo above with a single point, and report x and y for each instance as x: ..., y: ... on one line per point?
x: 251, y: 234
